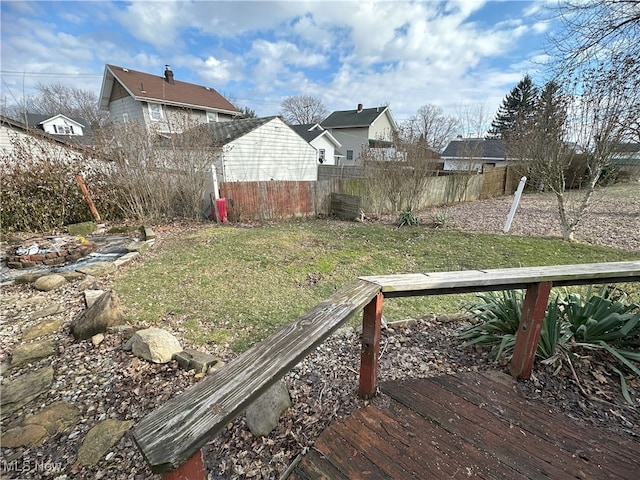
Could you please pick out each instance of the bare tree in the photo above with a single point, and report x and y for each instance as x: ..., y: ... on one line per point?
x: 431, y: 127
x: 303, y: 109
x: 599, y: 45
x: 58, y: 98
x: 574, y: 135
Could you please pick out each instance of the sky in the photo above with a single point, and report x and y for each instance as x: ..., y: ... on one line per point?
x: 463, y: 56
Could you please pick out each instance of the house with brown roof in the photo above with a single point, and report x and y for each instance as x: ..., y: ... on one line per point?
x: 162, y: 103
x: 361, y: 130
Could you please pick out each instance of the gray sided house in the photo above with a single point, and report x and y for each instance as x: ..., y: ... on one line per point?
x: 161, y: 103
x: 261, y: 149
x: 475, y: 154
x: 361, y: 130
x: 320, y: 139
x: 626, y: 159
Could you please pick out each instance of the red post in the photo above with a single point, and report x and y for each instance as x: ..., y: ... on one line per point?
x: 371, y: 320
x: 192, y: 469
x: 87, y: 197
x: 528, y: 335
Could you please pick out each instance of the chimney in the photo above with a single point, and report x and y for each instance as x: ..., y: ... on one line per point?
x: 359, y: 108
x: 168, y: 74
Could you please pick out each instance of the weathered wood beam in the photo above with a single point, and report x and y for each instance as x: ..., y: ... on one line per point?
x: 371, y: 324
x: 170, y: 435
x: 528, y: 334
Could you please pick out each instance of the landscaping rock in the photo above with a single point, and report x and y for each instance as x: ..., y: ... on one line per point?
x: 42, y: 329
x: 97, y: 339
x: 100, y: 439
x: 191, y: 359
x: 148, y: 233
x: 28, y: 435
x: 154, y: 344
x: 28, y: 278
x: 126, y: 258
x: 49, y: 282
x: 137, y: 246
x: 104, y: 313
x: 89, y: 282
x: 83, y: 229
x: 28, y: 352
x: 91, y: 296
x: 23, y: 389
x: 46, y: 312
x: 263, y: 414
x: 73, y: 276
x: 98, y: 269
x: 55, y: 418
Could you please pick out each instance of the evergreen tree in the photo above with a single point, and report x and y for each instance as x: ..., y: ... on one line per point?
x: 516, y: 110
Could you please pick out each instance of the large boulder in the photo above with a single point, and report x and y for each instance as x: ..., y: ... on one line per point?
x: 100, y: 439
x: 105, y: 312
x: 154, y: 344
x: 263, y: 414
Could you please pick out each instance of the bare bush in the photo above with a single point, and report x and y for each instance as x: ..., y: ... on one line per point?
x: 39, y: 189
x: 159, y: 176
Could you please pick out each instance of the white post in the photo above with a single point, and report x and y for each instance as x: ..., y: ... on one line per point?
x: 216, y: 193
x: 514, y: 205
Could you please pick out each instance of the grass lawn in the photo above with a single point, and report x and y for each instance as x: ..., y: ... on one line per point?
x: 237, y: 285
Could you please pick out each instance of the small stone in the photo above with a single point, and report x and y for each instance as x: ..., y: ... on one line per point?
x: 100, y: 439
x: 139, y: 247
x: 81, y: 229
x: 23, y: 389
x: 56, y: 417
x: 126, y: 258
x: 89, y: 282
x: 91, y: 296
x: 50, y: 282
x: 28, y: 352
x: 28, y: 435
x: 103, y: 313
x: 73, y: 276
x: 52, y: 309
x: 28, y: 278
x: 98, y: 269
x: 263, y: 414
x: 154, y: 344
x: 42, y: 329
x: 97, y: 339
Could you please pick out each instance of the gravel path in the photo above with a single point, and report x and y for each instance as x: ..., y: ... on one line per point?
x: 105, y: 382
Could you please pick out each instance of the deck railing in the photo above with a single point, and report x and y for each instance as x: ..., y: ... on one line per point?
x: 170, y: 438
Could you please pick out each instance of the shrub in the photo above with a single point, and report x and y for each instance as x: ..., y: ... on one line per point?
x: 573, y: 324
x: 407, y: 218
x: 440, y: 219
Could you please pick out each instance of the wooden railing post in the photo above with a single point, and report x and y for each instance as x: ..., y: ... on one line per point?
x: 371, y: 322
x: 528, y: 335
x: 192, y: 469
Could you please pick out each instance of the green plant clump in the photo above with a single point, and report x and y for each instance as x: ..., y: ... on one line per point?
x: 573, y: 325
x: 407, y: 218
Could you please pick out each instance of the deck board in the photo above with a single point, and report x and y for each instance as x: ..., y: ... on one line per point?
x: 470, y: 425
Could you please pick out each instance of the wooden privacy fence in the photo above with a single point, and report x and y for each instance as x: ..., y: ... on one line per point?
x: 170, y: 438
x: 290, y: 199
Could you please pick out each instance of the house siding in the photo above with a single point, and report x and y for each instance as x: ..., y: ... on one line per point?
x: 272, y: 151
x: 381, y: 129
x: 351, y: 139
x: 321, y: 143
x: 129, y: 106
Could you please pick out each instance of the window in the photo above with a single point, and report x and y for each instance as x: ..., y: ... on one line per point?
x: 212, y: 117
x: 155, y: 112
x: 321, y: 155
x: 349, y: 155
x: 63, y: 129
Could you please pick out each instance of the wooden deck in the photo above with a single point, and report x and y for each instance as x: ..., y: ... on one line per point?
x: 471, y: 425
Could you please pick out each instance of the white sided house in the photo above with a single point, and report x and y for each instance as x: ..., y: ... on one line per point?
x: 57, y: 125
x: 325, y: 144
x: 262, y: 149
x: 161, y: 103
x: 361, y: 130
